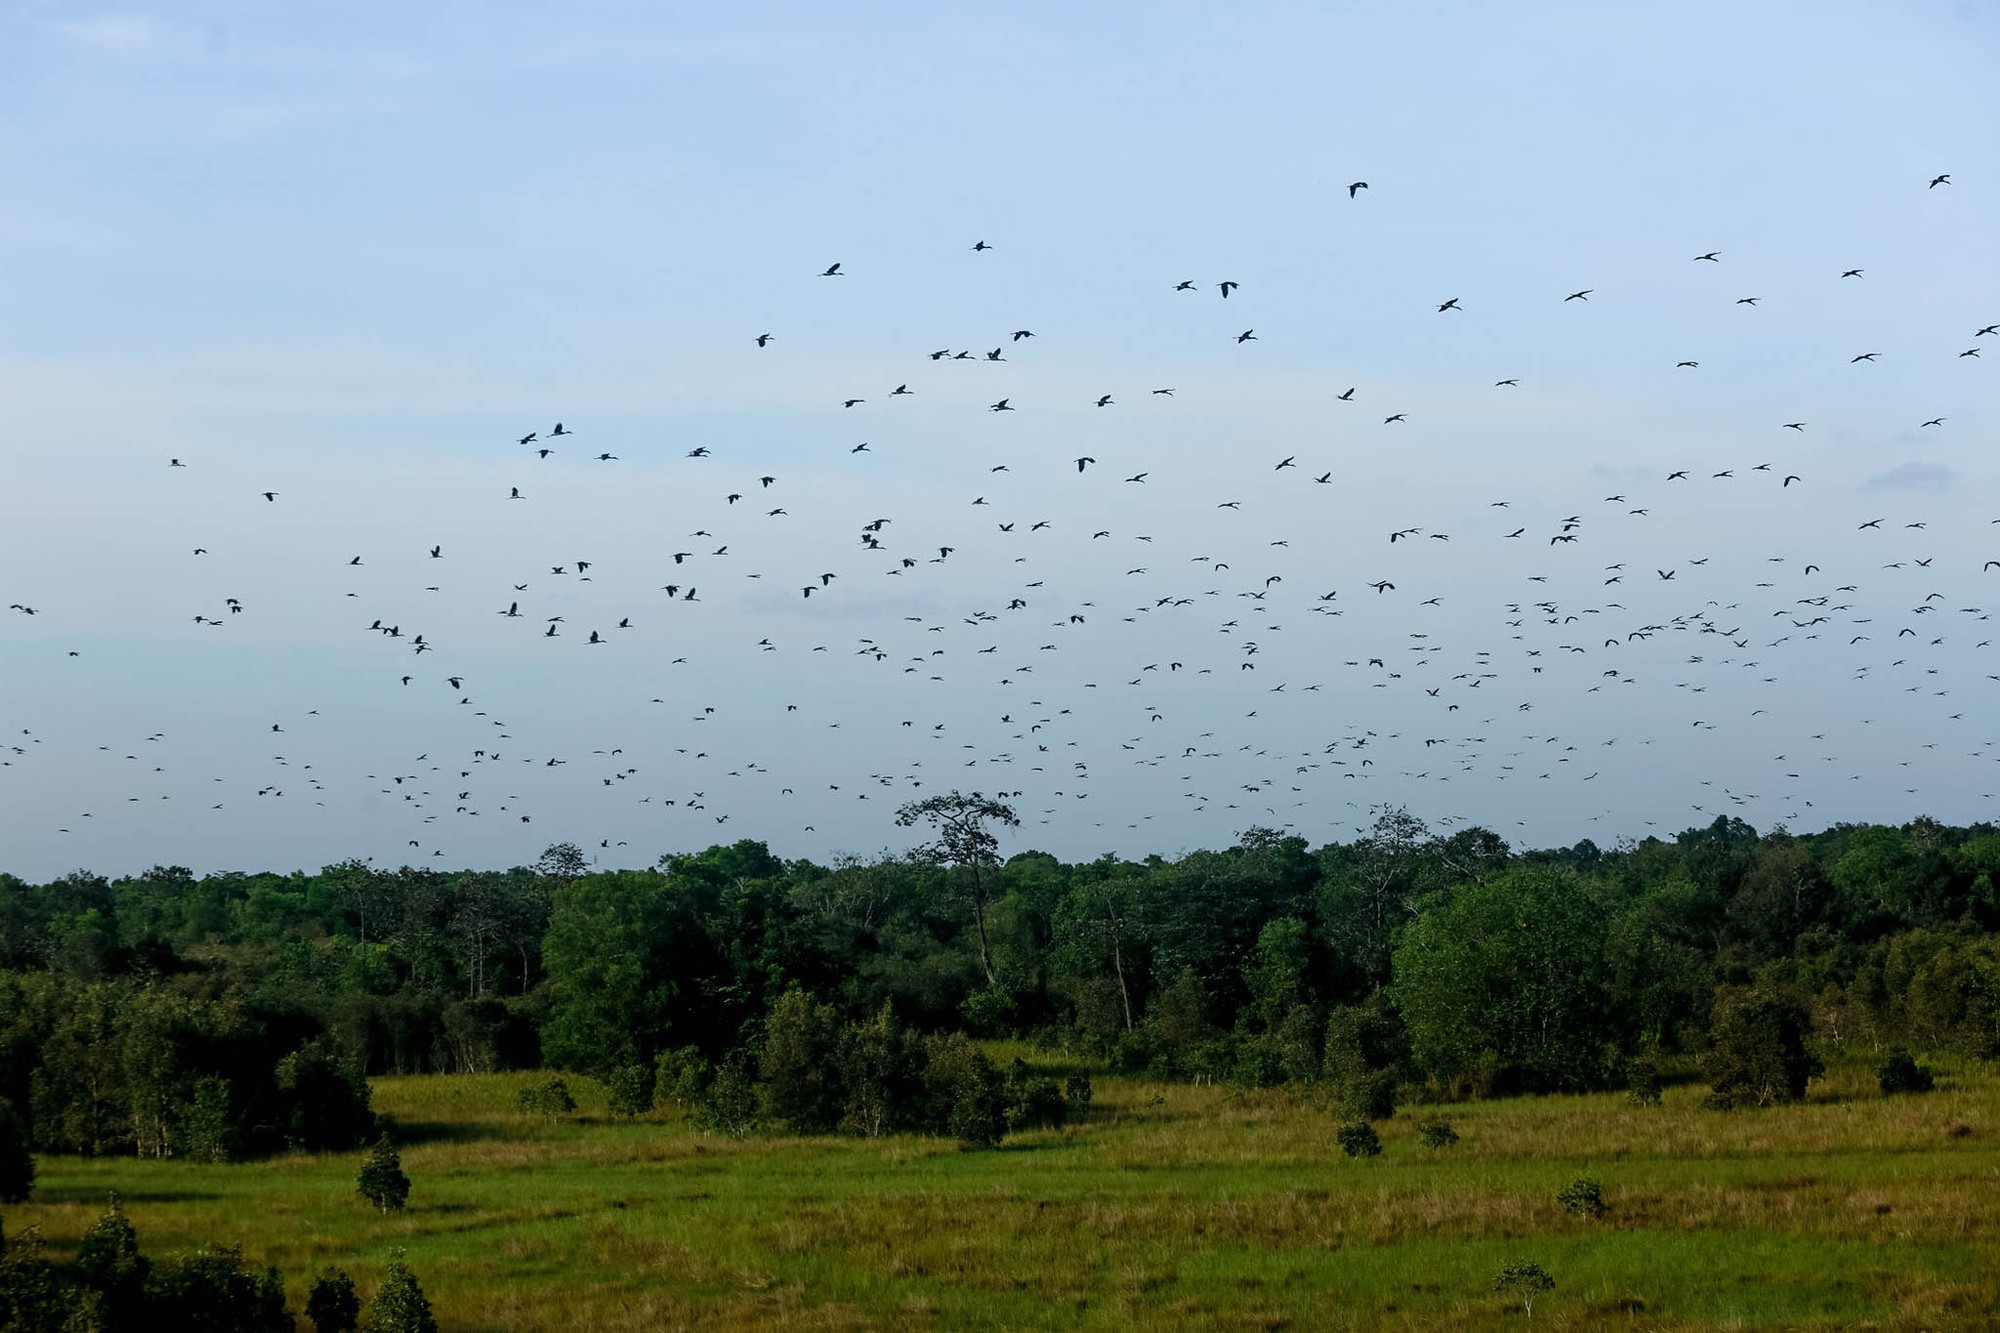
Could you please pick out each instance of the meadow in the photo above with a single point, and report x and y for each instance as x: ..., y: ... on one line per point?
x: 1169, y: 1205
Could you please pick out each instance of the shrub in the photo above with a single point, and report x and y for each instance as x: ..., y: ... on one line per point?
x: 1642, y: 1083
x: 879, y: 1072
x: 1437, y: 1132
x: 332, y: 1305
x: 17, y: 1163
x: 109, y: 1264
x: 1360, y: 1140
x: 964, y: 1096
x: 1077, y: 1092
x: 1368, y: 1096
x: 1758, y: 1055
x: 33, y: 1298
x: 324, y: 1098
x: 551, y: 1099
x: 1901, y: 1073
x: 1364, y: 1046
x: 1034, y: 1101
x: 210, y: 1291
x: 681, y: 1075
x: 629, y: 1090
x: 730, y: 1102
x: 1582, y: 1198
x: 400, y: 1305
x: 1526, y: 1281
x: 382, y: 1181
x: 800, y: 1078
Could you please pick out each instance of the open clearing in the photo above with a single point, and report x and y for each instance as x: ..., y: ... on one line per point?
x: 1169, y: 1205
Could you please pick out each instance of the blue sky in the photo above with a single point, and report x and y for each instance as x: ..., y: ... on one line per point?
x: 352, y: 256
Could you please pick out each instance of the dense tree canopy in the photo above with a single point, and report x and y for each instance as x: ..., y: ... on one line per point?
x: 209, y: 1016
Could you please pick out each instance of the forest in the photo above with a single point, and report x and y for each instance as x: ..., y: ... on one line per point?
x: 233, y: 1015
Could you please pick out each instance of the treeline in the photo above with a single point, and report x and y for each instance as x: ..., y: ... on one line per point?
x: 166, y: 1013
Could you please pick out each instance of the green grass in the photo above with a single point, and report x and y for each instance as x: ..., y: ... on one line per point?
x: 1170, y: 1206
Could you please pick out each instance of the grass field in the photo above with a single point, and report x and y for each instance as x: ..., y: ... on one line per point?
x: 1169, y: 1206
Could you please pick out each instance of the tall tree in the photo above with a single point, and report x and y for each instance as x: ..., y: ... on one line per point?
x: 965, y: 843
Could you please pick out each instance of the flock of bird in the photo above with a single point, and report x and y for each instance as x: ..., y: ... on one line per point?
x: 1198, y: 648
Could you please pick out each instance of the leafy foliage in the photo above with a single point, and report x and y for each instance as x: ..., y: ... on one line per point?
x: 331, y: 1303
x: 1901, y: 1073
x: 1359, y: 1139
x: 1758, y: 1055
x: 551, y: 1097
x: 382, y: 1181
x: 1525, y: 1281
x: 1582, y: 1197
x: 629, y: 1090
x: 1437, y: 1132
x: 400, y: 1305
x: 229, y: 1015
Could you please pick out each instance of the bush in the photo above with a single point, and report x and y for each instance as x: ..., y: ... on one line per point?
x: 33, y: 1298
x: 800, y: 1077
x: 1360, y: 1140
x: 1034, y: 1101
x: 1368, y: 1096
x: 382, y: 1181
x: 1582, y: 1198
x: 681, y: 1075
x: 1077, y: 1092
x: 1525, y: 1281
x: 730, y: 1102
x: 324, y: 1099
x: 17, y: 1163
x: 210, y: 1291
x: 1901, y: 1073
x: 1758, y: 1055
x: 879, y: 1066
x: 400, y: 1305
x: 964, y: 1096
x: 109, y: 1264
x: 629, y: 1091
x: 550, y: 1099
x: 1364, y: 1047
x: 1642, y: 1083
x: 332, y: 1305
x: 1437, y: 1132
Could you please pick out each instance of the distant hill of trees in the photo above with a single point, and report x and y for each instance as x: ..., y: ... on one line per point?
x: 232, y: 1014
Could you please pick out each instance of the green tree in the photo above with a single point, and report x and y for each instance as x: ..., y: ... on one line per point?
x: 551, y: 1098
x: 1758, y: 1054
x: 331, y: 1303
x: 400, y: 1305
x: 323, y: 1098
x: 1525, y: 1281
x: 79, y: 1100
x: 382, y: 1181
x: 880, y: 1066
x: 801, y: 1077
x: 109, y: 1264
x: 963, y: 841
x: 628, y: 965
x: 629, y: 1091
x: 1507, y: 972
x: 964, y: 1096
